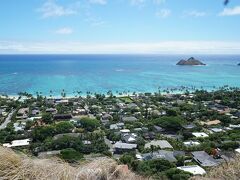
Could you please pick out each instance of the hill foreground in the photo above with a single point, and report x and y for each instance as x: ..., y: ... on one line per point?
x: 19, y: 166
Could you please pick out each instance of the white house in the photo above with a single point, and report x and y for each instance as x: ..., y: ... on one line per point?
x: 195, y: 169
x: 191, y: 143
x: 17, y: 143
x: 200, y: 134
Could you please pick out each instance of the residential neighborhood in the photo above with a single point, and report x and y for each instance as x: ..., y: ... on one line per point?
x: 190, y: 132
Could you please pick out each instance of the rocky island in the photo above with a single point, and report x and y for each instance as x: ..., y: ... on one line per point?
x: 191, y: 61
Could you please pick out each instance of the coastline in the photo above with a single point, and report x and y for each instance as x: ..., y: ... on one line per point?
x: 128, y: 94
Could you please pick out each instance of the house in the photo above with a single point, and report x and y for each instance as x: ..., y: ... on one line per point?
x: 129, y: 138
x: 237, y: 150
x: 120, y: 147
x: 204, y: 159
x: 35, y: 112
x: 237, y: 126
x: 124, y: 131
x: 80, y: 112
x: 106, y: 118
x: 22, y: 113
x: 189, y: 126
x: 61, y: 101
x: 116, y: 126
x: 191, y: 143
x: 163, y: 144
x: 162, y: 154
x: 195, y: 169
x: 158, y: 129
x: 199, y: 134
x: 211, y: 123
x: 129, y: 119
x: 149, y: 135
x: 237, y: 114
x: 17, y: 143
x: 132, y: 106
x: 51, y: 110
x: 216, y: 130
x: 19, y: 126
x: 62, y: 116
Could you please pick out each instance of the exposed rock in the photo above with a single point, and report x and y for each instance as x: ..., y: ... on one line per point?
x: 191, y: 61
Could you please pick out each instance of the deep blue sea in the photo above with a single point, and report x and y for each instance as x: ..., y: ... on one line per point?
x: 101, y: 73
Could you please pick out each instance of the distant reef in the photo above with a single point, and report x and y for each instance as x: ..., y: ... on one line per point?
x: 191, y: 62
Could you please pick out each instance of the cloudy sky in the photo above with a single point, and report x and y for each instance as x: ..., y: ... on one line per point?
x: 119, y: 26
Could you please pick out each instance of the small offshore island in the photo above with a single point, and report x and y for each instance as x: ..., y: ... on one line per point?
x: 151, y: 134
x: 191, y: 62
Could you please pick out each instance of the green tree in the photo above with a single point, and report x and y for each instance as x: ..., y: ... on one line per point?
x: 173, y: 123
x: 64, y: 127
x: 89, y: 124
x: 70, y: 155
x: 47, y: 118
x: 41, y: 133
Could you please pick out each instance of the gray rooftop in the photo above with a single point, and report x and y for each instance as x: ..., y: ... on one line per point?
x: 204, y: 159
x: 161, y: 143
x: 129, y: 118
x: 161, y: 154
x: 120, y: 145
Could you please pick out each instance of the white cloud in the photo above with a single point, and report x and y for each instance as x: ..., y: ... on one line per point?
x: 101, y: 2
x: 165, y: 47
x: 65, y: 31
x: 51, y: 9
x: 230, y: 11
x: 163, y: 13
x: 195, y: 13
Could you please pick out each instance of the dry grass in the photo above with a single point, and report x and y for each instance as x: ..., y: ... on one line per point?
x: 226, y: 171
x: 15, y: 167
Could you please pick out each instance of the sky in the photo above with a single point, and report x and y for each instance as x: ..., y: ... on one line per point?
x: 119, y: 26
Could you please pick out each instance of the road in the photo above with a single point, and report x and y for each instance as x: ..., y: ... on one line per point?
x: 7, y: 120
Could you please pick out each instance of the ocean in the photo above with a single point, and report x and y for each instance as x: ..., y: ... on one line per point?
x: 51, y: 74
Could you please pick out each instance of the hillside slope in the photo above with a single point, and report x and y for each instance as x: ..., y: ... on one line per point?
x: 226, y: 171
x: 18, y: 166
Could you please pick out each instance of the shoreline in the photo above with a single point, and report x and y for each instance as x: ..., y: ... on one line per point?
x: 130, y: 94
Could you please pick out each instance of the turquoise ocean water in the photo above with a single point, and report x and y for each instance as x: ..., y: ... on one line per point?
x: 101, y: 73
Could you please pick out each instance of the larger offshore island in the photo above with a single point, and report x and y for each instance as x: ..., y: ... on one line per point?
x: 190, y: 132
